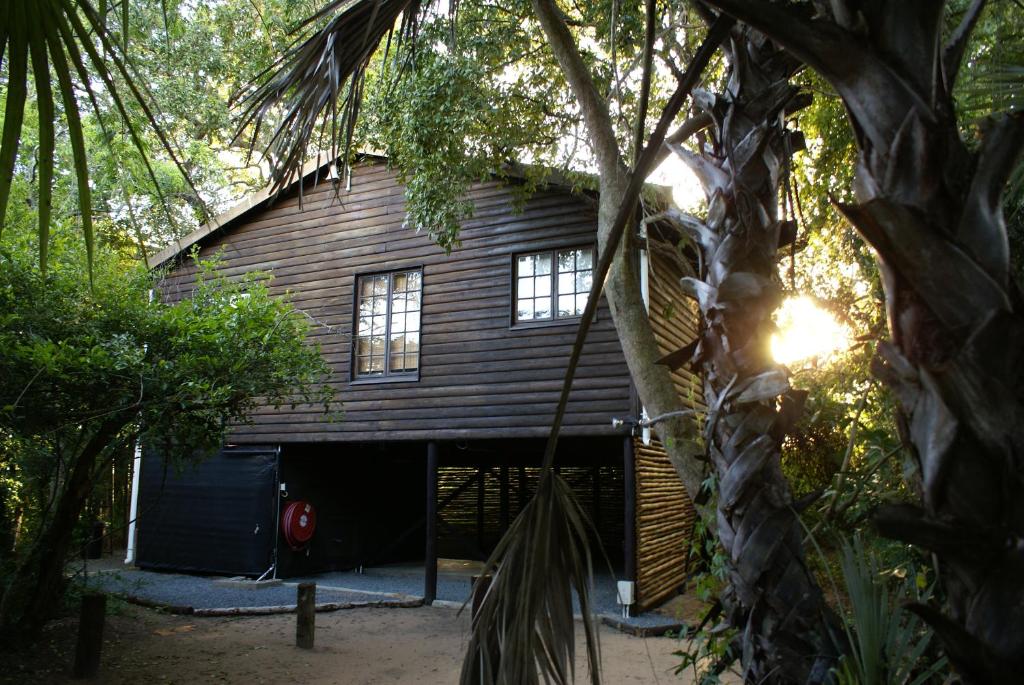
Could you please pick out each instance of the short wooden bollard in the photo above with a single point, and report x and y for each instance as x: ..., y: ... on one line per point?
x: 305, y: 615
x: 90, y: 635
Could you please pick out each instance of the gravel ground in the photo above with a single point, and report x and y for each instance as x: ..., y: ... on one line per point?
x: 388, y: 584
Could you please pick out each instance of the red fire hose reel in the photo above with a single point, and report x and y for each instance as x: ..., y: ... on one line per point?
x: 298, y: 523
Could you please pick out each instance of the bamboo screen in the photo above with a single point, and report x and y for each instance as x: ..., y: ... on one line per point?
x: 664, y: 523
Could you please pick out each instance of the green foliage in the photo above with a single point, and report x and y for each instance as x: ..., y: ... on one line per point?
x: 87, y: 370
x: 705, y: 654
x: 186, y: 371
x: 890, y: 645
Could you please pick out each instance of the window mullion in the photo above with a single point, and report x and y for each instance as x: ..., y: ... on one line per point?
x: 387, y: 326
x: 554, y: 284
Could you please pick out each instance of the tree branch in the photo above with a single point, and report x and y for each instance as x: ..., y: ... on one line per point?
x: 716, y: 35
x: 594, y: 108
x: 645, y: 83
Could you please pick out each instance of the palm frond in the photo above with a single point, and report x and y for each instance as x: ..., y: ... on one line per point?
x: 316, y: 86
x: 524, y: 630
x: 53, y: 36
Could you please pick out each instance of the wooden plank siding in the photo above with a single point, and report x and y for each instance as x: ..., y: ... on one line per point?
x: 479, y: 376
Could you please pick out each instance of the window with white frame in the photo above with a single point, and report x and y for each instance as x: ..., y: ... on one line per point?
x: 388, y: 324
x: 552, y: 285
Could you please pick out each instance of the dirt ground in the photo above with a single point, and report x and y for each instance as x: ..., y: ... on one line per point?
x: 355, y: 647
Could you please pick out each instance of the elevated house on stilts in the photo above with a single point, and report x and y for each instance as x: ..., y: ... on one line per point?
x: 448, y: 367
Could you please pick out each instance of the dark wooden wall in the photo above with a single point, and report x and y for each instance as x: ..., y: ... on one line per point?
x: 479, y: 377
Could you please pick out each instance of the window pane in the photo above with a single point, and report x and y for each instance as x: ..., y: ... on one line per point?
x: 363, y: 347
x: 397, y: 362
x: 398, y: 323
x: 398, y: 302
x: 364, y: 325
x: 524, y: 310
x: 583, y: 281
x: 525, y: 266
x: 400, y: 283
x: 566, y: 284
x: 397, y: 344
x: 365, y: 286
x: 413, y: 282
x: 412, y: 321
x: 379, y: 324
x: 542, y: 308
x: 566, y: 261
x: 581, y: 304
x: 380, y: 305
x: 363, y: 365
x: 377, y: 364
x: 542, y: 286
x: 526, y: 287
x: 412, y: 343
x: 585, y: 258
x: 566, y: 305
x: 543, y: 264
x: 380, y: 285
x: 412, y: 301
x: 377, y: 345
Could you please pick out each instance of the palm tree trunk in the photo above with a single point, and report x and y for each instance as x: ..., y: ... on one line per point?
x: 788, y: 634
x: 930, y: 206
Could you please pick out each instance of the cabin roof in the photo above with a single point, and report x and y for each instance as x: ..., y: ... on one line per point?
x: 313, y: 169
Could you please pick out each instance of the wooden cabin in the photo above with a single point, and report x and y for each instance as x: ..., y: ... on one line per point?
x: 448, y: 367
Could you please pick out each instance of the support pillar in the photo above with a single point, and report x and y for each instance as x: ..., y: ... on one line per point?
x: 629, y: 508
x: 430, y: 560
x: 503, y: 475
x: 481, y: 492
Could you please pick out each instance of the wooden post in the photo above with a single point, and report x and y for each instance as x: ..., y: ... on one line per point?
x: 629, y: 510
x: 504, y: 498
x: 522, y: 488
x: 481, y: 490
x: 430, y: 561
x: 305, y: 615
x: 90, y: 635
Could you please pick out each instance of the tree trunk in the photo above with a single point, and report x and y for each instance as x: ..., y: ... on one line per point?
x: 653, y: 382
x: 788, y: 634
x: 38, y: 582
x: 930, y: 206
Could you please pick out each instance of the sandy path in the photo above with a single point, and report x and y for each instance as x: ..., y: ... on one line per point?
x: 360, y: 647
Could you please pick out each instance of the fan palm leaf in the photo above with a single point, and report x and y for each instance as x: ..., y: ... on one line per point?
x: 68, y: 40
x: 314, y: 90
x: 523, y: 632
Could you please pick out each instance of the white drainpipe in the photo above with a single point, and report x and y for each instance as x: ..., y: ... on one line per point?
x: 129, y: 557
x: 645, y: 293
x: 133, y: 512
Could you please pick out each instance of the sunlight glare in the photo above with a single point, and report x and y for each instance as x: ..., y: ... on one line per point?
x: 686, y: 189
x: 807, y: 332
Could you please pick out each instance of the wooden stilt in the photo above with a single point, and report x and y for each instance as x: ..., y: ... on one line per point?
x: 481, y: 491
x: 430, y: 560
x: 629, y: 510
x: 503, y: 475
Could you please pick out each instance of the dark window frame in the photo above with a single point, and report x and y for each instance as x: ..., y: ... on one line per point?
x: 387, y: 376
x: 554, y: 319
